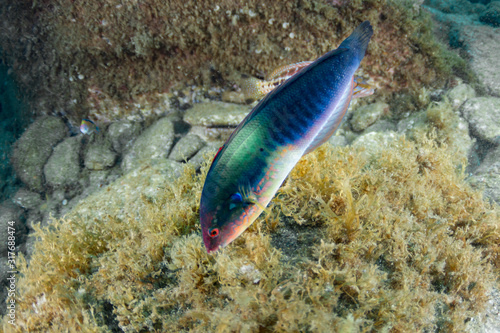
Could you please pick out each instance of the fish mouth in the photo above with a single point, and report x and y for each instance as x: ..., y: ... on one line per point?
x: 211, y: 244
x: 211, y: 248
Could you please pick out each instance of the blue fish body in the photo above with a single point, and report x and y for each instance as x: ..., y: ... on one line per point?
x: 289, y: 122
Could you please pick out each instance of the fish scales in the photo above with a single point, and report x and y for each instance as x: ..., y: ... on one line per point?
x: 293, y: 119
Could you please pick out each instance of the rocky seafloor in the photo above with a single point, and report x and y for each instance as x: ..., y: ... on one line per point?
x: 72, y: 171
x: 68, y: 175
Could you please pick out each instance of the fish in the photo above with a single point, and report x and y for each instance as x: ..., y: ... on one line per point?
x: 292, y: 120
x: 254, y: 88
x: 88, y: 126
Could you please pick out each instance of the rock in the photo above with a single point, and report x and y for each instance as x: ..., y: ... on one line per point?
x: 212, y: 134
x: 122, y: 134
x: 381, y: 126
x: 186, y: 148
x: 216, y: 114
x: 338, y: 141
x: 233, y: 97
x: 350, y: 136
x: 164, y: 170
x: 375, y: 141
x: 482, y: 114
x: 34, y: 217
x: 408, y: 125
x: 483, y: 46
x: 63, y: 166
x: 462, y: 139
x: 201, y: 156
x: 121, y: 197
x: 488, y: 321
x: 454, y: 6
x: 366, y: 115
x: 34, y: 148
x: 154, y: 143
x: 99, y: 156
x: 98, y: 179
x: 10, y: 216
x: 27, y: 199
x: 491, y: 15
x: 459, y: 94
x: 487, y: 175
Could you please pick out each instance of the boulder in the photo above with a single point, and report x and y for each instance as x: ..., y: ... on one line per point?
x: 34, y: 148
x: 122, y: 134
x: 482, y: 114
x: 487, y: 175
x: 63, y: 167
x: 186, y: 148
x: 99, y: 156
x: 154, y: 143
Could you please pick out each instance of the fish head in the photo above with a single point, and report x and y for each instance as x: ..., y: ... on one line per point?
x: 224, y: 220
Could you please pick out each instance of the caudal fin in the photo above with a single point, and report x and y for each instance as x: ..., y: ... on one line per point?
x: 359, y: 38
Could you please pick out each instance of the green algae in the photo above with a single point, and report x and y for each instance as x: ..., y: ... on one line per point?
x: 392, y: 240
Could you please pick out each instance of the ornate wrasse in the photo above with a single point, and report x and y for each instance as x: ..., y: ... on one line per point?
x: 294, y: 119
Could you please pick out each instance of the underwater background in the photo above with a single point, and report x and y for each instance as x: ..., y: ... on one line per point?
x: 392, y: 226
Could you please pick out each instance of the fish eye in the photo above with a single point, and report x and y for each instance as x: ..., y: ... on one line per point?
x: 234, y: 200
x: 214, y: 232
x: 236, y: 197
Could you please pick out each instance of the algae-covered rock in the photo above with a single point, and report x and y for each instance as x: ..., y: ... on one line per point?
x: 186, y: 148
x: 366, y: 115
x: 34, y: 148
x: 483, y: 45
x: 154, y: 143
x: 487, y: 176
x: 381, y: 126
x: 374, y: 142
x: 50, y: 209
x: 483, y: 114
x: 233, y: 97
x: 133, y: 59
x: 459, y: 94
x: 27, y: 199
x: 215, y: 114
x: 338, y: 141
x: 122, y: 133
x: 408, y: 125
x: 208, y: 150
x: 212, y: 134
x: 491, y: 15
x: 63, y: 166
x: 99, y: 156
